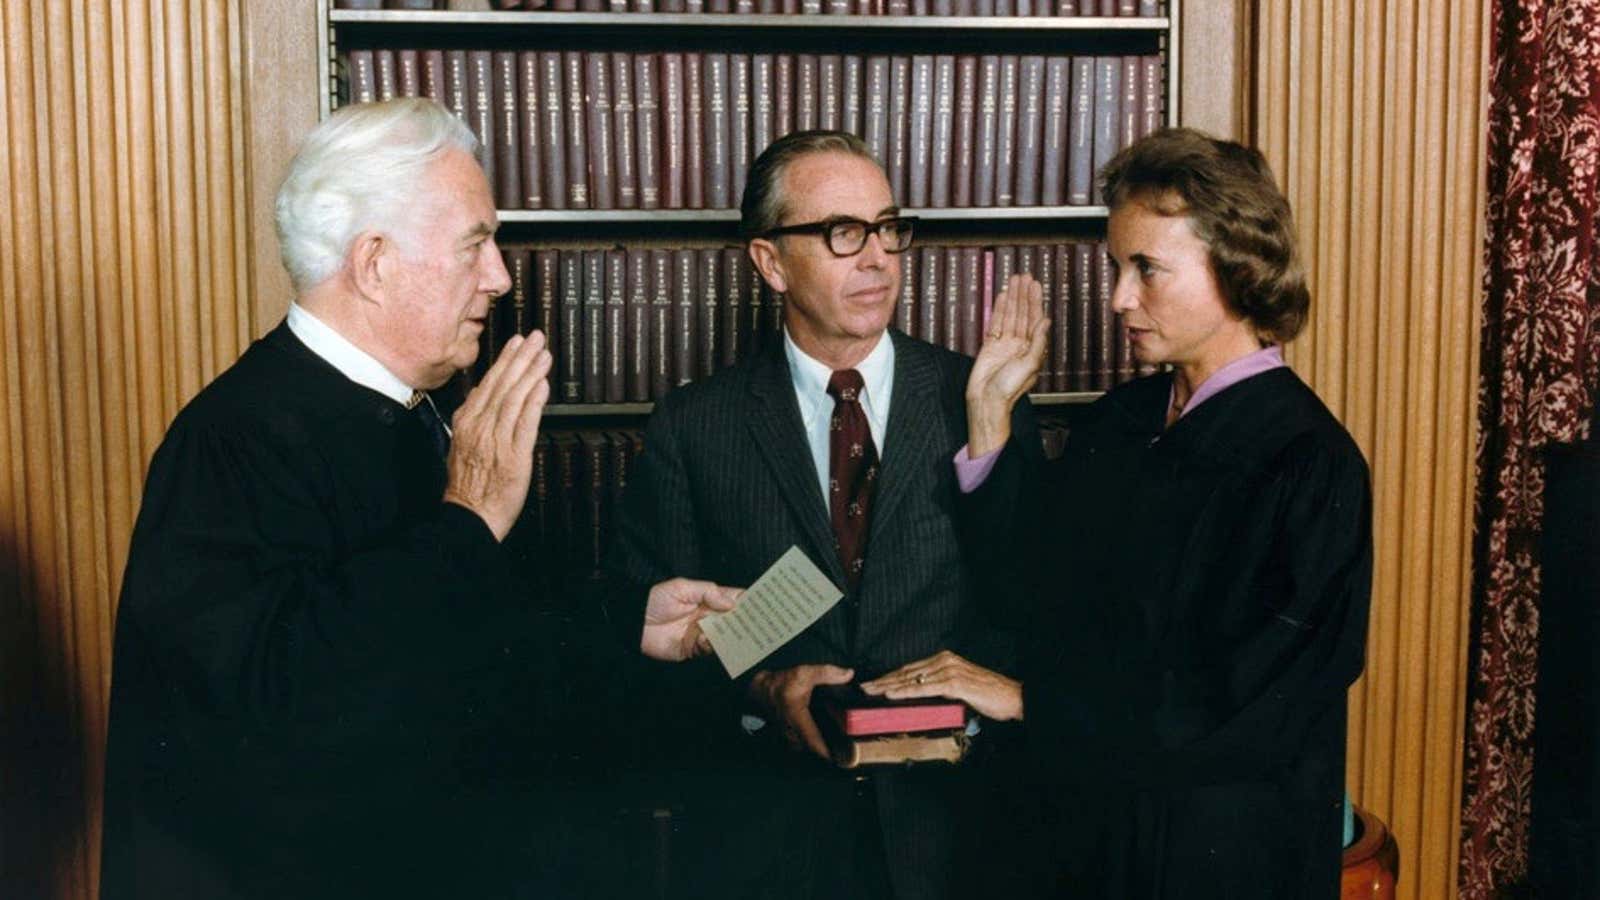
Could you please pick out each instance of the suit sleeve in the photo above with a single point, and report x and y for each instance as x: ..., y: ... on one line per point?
x: 256, y: 607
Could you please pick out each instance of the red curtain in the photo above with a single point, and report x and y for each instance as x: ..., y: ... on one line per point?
x: 1540, y: 354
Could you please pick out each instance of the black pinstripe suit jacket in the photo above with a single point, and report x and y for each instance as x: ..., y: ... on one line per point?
x: 726, y: 485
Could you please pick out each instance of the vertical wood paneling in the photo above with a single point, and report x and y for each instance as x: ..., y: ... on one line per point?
x: 1372, y: 115
x: 127, y: 233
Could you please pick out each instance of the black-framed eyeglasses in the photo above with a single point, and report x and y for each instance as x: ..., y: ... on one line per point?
x: 847, y: 235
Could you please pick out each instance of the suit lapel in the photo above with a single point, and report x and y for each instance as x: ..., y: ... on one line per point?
x: 914, y: 425
x: 775, y: 426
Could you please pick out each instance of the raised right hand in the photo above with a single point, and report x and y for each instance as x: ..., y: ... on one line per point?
x: 491, y: 451
x: 786, y: 695
x: 1007, y: 364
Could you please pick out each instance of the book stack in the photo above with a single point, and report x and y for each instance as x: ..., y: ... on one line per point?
x: 862, y: 730
x: 599, y: 130
x: 579, y: 476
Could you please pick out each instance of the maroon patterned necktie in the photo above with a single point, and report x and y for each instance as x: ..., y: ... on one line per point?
x: 852, y: 472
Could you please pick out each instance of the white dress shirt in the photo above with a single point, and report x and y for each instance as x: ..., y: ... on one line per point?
x: 352, y: 362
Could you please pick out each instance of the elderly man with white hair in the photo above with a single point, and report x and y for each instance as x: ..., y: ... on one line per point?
x: 319, y: 630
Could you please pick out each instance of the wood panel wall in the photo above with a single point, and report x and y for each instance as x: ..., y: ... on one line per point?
x: 1373, y: 114
x: 128, y: 229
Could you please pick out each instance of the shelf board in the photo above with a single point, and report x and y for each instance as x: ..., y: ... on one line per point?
x: 745, y: 21
x: 731, y: 216
x: 582, y: 410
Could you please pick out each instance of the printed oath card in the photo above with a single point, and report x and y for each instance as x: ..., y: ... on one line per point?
x: 783, y: 602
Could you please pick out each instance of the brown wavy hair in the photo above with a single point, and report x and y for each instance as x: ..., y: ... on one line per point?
x: 1233, y: 204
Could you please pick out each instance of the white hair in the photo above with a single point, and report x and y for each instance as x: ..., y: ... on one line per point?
x: 358, y: 170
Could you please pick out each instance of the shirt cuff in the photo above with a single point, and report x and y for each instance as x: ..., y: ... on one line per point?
x: 971, y: 473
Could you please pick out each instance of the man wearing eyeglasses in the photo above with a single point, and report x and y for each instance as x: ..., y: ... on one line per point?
x: 837, y: 439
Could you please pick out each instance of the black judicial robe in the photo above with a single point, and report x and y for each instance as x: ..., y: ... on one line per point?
x: 316, y: 661
x: 1201, y: 611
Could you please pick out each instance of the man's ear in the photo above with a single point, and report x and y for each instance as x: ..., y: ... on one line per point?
x: 365, y: 260
x: 764, y: 254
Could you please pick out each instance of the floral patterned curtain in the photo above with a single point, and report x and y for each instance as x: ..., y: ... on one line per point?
x: 1540, y: 361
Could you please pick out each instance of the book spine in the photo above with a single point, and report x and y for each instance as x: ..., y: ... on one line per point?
x: 529, y: 159
x: 951, y: 307
x: 719, y: 175
x: 553, y: 131
x: 930, y: 284
x: 636, y: 328
x: 694, y: 130
x: 707, y: 309
x: 1061, y: 313
x: 876, y: 125
x: 986, y: 281
x: 898, y: 149
x: 1129, y: 111
x: 456, y: 88
x: 647, y: 131
x: 805, y: 91
x: 773, y: 301
x: 755, y: 307
x: 363, y: 80
x: 1030, y: 131
x: 733, y: 292
x: 1107, y: 94
x: 507, y: 146
x: 577, y: 132
x: 1005, y: 266
x: 1083, y: 290
x: 594, y: 482
x: 962, y: 130
x: 481, y: 113
x: 594, y: 324
x: 433, y: 75
x: 983, y: 188
x: 661, y: 342
x: 972, y: 290
x: 782, y: 95
x: 672, y: 131
x: 1105, y: 366
x: 850, y: 95
x: 1080, y: 135
x: 1149, y: 8
x: 625, y: 174
x: 900, y: 8
x: 1054, y: 152
x: 519, y: 265
x: 614, y: 329
x: 597, y: 113
x: 739, y: 154
x: 830, y: 72
x: 409, y: 73
x: 921, y: 131
x: 388, y: 80
x: 1150, y: 95
x: 1005, y: 140
x: 905, y: 311
x: 683, y: 316
x: 547, y: 305
x: 944, y: 96
x: 570, y: 361
x: 762, y: 91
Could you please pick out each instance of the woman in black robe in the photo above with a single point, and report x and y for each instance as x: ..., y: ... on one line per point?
x: 1197, y: 565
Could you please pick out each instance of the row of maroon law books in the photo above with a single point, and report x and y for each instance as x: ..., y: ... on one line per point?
x: 1045, y: 8
x: 579, y: 477
x: 599, y: 130
x: 629, y: 325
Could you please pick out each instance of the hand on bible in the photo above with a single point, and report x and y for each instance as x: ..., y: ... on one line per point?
x: 947, y: 674
x: 786, y: 695
x: 673, y: 613
x: 491, y: 451
x: 1007, y: 364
